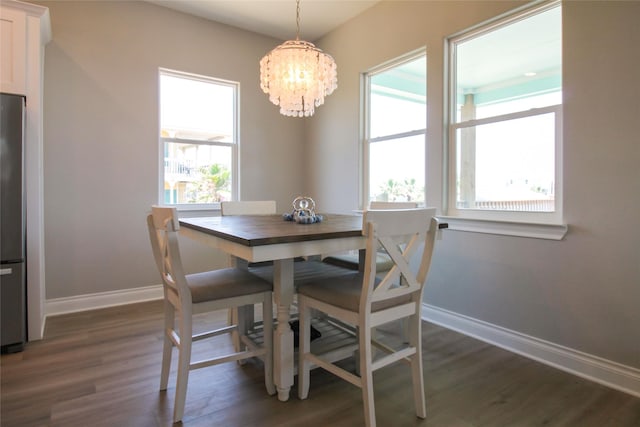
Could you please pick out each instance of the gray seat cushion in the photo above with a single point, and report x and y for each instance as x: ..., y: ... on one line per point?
x: 304, y: 272
x: 225, y: 283
x: 383, y: 262
x: 344, y: 291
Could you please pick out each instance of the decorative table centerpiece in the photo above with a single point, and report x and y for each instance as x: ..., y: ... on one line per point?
x: 303, y: 211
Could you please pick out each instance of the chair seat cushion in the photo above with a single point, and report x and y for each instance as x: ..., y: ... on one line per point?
x: 225, y: 283
x: 306, y: 271
x: 383, y: 262
x: 344, y: 291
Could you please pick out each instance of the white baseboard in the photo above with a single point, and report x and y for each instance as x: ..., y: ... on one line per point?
x: 74, y: 304
x: 602, y: 371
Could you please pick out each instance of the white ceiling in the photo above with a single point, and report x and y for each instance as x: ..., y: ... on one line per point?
x: 275, y: 18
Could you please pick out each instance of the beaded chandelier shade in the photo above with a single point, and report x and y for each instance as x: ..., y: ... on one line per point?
x: 297, y: 75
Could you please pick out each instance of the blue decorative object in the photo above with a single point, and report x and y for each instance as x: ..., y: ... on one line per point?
x: 303, y: 211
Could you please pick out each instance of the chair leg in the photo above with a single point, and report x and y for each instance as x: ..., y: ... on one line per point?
x: 304, y: 346
x: 243, y: 317
x: 167, y: 347
x: 267, y: 329
x: 366, y: 376
x: 184, y: 360
x: 405, y: 330
x: 414, y: 336
x: 245, y: 313
x: 356, y: 353
x: 232, y: 319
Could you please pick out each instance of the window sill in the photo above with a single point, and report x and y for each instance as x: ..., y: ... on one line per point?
x: 504, y: 228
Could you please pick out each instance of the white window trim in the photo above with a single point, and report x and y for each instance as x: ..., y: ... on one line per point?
x: 540, y: 225
x: 235, y: 145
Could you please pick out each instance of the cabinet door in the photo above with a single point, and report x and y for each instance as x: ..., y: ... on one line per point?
x: 13, y: 51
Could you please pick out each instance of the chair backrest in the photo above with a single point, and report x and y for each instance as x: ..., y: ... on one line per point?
x: 249, y: 207
x: 401, y: 234
x: 392, y: 205
x: 375, y: 204
x: 163, y: 228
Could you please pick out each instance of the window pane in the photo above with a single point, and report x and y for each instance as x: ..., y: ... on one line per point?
x: 197, y: 173
x: 196, y: 109
x: 391, y: 115
x: 398, y: 99
x: 508, y: 165
x: 397, y: 169
x: 510, y: 67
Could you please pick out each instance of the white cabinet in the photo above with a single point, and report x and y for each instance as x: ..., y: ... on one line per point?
x: 25, y: 30
x: 13, y: 50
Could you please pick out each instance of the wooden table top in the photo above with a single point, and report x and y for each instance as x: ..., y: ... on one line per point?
x: 260, y: 230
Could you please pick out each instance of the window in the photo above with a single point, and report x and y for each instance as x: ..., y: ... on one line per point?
x: 395, y: 129
x: 198, y: 137
x: 505, y: 118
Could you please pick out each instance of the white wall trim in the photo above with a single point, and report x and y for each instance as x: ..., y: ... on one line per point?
x: 74, y: 304
x: 597, y: 369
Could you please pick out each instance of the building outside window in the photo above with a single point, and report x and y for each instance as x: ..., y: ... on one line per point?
x: 198, y: 137
x: 395, y: 130
x: 505, y: 118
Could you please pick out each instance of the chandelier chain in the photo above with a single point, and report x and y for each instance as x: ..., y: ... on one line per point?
x: 297, y: 19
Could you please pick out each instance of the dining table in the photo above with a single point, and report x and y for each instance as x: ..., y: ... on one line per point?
x: 258, y: 238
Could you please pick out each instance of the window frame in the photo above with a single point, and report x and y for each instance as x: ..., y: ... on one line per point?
x: 367, y: 140
x: 489, y: 221
x: 233, y: 145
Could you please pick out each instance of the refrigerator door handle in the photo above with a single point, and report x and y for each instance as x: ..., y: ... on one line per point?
x: 5, y: 271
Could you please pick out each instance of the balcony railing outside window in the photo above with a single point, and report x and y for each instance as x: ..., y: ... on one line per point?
x: 179, y: 169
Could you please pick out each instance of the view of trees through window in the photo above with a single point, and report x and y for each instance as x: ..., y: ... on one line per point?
x: 197, y: 131
x: 396, y: 131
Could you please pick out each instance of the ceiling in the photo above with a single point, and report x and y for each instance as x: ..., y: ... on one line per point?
x: 275, y: 18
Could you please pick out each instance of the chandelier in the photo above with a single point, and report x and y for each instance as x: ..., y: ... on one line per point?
x: 297, y: 75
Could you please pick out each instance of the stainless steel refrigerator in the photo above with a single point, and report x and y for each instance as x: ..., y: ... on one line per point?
x: 13, y: 295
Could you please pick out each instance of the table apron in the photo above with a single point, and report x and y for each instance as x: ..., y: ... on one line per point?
x: 279, y: 250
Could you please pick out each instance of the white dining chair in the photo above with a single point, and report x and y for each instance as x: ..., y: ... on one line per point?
x: 189, y: 294
x: 352, y: 259
x: 366, y: 300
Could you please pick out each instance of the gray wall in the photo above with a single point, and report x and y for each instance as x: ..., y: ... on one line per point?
x: 101, y: 135
x: 582, y: 292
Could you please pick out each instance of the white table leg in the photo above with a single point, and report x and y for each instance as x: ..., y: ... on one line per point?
x: 283, y: 335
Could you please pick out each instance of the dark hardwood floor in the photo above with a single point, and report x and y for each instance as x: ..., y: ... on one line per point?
x: 102, y: 368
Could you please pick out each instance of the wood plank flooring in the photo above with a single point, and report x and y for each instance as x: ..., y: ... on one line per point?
x: 102, y: 368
